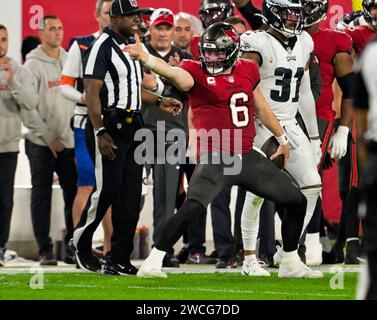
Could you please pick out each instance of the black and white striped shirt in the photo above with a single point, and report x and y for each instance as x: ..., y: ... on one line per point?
x: 122, y: 76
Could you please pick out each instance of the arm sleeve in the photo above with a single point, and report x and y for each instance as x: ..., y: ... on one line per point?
x: 249, y: 13
x: 315, y: 76
x: 73, y: 65
x: 24, y: 90
x: 70, y: 93
x: 307, y: 106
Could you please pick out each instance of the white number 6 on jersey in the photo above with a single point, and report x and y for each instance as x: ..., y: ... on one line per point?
x: 237, y: 109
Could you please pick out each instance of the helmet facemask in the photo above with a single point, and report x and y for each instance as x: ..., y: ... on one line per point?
x: 215, y: 11
x: 222, y: 39
x: 368, y: 5
x: 314, y: 11
x: 292, y: 21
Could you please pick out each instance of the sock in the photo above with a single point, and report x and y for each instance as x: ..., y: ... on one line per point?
x: 155, y: 258
x: 251, y: 257
x: 290, y: 255
x: 326, y: 246
x: 312, y: 239
x: 250, y: 221
x: 311, y: 196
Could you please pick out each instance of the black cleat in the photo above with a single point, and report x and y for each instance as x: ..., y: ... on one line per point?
x: 328, y: 257
x: 200, y: 258
x: 46, y: 258
x: 240, y: 256
x: 225, y: 263
x: 352, y: 252
x: 170, y: 262
x: 182, y: 255
x: 86, y: 260
x: 118, y: 269
x: 339, y: 252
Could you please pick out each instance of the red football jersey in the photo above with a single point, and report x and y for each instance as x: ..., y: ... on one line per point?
x: 223, y: 103
x: 194, y: 47
x: 360, y: 35
x: 327, y: 43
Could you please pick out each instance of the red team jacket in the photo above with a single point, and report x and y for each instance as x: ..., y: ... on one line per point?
x: 327, y: 43
x: 224, y: 102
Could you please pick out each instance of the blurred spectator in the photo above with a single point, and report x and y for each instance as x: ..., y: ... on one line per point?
x: 53, y: 150
x: 212, y: 11
x: 184, y: 31
x: 144, y: 33
x: 28, y: 44
x: 16, y: 94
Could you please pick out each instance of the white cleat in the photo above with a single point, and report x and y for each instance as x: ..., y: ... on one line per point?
x: 150, y: 272
x: 253, y: 268
x: 278, y: 256
x: 295, y: 268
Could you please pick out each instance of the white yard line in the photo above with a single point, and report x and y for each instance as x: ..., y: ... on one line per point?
x: 184, y: 269
x: 237, y: 291
x: 230, y: 291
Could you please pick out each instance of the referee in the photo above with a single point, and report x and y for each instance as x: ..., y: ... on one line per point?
x: 366, y: 98
x: 114, y: 96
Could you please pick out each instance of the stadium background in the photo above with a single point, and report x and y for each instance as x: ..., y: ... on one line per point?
x: 21, y: 17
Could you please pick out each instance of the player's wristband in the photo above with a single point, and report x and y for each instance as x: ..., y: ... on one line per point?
x: 151, y: 62
x: 100, y: 131
x: 283, y: 139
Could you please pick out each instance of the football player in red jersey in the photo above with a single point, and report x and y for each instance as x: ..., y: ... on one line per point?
x: 224, y: 95
x: 362, y: 34
x: 334, y: 51
x: 348, y: 165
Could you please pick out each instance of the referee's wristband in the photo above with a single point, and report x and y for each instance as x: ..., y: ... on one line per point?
x: 100, y: 131
x: 283, y: 139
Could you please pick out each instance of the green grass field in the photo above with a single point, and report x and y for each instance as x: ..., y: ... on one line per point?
x: 214, y: 286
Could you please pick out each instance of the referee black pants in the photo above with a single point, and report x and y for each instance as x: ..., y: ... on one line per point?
x: 119, y: 184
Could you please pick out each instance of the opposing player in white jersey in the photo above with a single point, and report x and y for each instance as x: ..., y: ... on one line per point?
x: 282, y: 53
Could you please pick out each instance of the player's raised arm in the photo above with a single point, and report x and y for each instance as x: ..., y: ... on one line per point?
x: 179, y: 77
